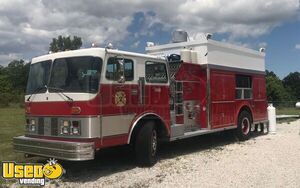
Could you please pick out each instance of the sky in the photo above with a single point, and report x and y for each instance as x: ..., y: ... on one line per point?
x: 28, y: 26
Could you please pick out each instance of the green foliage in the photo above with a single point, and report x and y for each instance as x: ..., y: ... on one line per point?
x: 292, y: 83
x: 65, y: 43
x: 276, y: 92
x: 13, y: 80
x: 17, y: 72
x: 5, y: 85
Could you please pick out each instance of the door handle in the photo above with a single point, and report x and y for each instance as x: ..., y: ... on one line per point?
x: 134, y: 92
x: 119, y: 86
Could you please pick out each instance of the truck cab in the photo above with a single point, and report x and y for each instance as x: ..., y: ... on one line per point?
x: 78, y: 102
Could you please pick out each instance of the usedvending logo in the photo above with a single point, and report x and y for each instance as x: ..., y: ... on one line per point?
x: 32, y: 174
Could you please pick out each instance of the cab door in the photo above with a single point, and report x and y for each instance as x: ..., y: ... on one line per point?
x: 119, y: 94
x: 157, y: 96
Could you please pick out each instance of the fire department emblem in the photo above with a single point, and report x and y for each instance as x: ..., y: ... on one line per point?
x: 120, y: 98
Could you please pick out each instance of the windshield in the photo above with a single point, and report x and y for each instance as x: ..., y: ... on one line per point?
x: 76, y: 74
x: 38, y: 77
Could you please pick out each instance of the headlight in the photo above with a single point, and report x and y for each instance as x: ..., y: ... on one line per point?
x: 75, y: 128
x: 65, y: 130
x: 66, y: 123
x: 70, y: 128
x: 31, y: 125
x: 65, y: 126
x: 32, y: 128
x: 32, y: 122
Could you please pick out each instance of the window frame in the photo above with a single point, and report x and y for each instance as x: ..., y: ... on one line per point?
x: 49, y: 61
x: 166, y: 71
x: 243, y: 89
x: 83, y: 56
x: 120, y: 58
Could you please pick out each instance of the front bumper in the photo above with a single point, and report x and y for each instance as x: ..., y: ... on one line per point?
x: 73, y: 151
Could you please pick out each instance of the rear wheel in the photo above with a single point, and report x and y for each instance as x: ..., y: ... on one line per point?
x: 244, y: 126
x: 146, y: 145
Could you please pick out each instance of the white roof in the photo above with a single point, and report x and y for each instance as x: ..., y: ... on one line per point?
x: 90, y: 52
x: 214, y: 53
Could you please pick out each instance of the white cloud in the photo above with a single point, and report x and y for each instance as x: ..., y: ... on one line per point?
x: 26, y: 26
x: 297, y: 46
x: 263, y: 45
x: 6, y: 58
x: 135, y: 44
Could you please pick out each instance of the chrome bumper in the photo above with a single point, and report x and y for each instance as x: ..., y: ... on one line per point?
x: 73, y: 151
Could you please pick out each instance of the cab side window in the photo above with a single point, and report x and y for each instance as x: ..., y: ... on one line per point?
x: 113, y: 69
x: 156, y: 72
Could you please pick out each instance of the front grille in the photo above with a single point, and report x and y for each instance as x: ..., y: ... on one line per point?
x: 54, y: 126
x: 41, y: 126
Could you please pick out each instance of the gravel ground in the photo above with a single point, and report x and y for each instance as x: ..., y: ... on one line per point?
x: 216, y: 160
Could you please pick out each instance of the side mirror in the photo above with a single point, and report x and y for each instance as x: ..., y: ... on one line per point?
x: 121, y: 71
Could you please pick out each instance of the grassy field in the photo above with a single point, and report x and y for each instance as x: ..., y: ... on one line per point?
x: 12, y: 123
x: 288, y: 111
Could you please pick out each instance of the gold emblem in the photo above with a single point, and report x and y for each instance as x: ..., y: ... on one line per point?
x: 120, y: 98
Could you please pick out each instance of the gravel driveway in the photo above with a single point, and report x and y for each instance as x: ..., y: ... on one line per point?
x: 216, y: 160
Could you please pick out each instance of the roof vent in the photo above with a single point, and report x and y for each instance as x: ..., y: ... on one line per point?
x: 262, y: 50
x: 208, y: 35
x: 179, y: 36
x: 150, y: 44
x: 109, y: 46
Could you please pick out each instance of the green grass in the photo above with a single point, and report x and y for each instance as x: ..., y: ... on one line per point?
x: 287, y: 111
x: 12, y: 123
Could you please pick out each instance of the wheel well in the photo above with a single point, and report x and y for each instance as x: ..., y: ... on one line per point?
x: 159, y: 125
x: 247, y: 109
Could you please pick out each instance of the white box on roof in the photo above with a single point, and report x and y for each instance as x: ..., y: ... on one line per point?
x: 215, y: 53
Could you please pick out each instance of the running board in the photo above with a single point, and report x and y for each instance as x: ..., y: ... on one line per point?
x: 200, y: 132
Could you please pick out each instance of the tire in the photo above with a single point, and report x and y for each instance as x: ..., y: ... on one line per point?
x: 244, y: 126
x: 262, y: 128
x: 146, y: 145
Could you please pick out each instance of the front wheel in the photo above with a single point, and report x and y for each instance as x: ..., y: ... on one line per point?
x: 244, y: 126
x: 146, y: 145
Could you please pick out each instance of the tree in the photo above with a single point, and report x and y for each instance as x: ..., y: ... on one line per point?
x: 65, y: 43
x: 17, y: 73
x: 292, y: 83
x: 1, y: 69
x: 276, y: 92
x: 270, y: 73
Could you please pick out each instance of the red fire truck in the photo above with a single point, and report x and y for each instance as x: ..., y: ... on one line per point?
x: 78, y: 102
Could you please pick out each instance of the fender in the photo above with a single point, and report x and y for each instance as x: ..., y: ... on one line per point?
x: 240, y: 106
x: 138, y: 119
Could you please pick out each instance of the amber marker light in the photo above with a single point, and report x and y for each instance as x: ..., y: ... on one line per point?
x: 75, y: 110
x: 27, y: 110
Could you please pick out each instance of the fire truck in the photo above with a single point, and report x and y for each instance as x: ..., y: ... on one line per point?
x: 79, y: 102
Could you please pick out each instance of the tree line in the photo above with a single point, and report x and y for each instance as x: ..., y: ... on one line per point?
x: 13, y: 78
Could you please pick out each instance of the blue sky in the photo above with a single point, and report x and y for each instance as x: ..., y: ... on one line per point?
x: 28, y: 26
x: 282, y: 56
